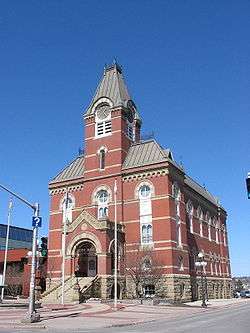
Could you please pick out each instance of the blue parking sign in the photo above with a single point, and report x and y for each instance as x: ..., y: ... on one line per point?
x: 36, y: 221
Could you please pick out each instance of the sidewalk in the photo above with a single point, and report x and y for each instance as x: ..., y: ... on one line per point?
x: 216, y: 303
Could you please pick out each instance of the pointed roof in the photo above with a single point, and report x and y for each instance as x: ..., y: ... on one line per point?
x: 113, y: 87
x: 145, y: 153
x: 72, y: 171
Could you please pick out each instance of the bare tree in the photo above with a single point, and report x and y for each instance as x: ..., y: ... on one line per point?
x: 14, y: 279
x: 144, y: 267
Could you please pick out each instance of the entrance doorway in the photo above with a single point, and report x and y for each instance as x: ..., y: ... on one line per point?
x: 86, y: 260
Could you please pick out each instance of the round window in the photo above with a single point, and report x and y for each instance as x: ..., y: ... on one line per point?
x: 145, y: 191
x: 103, y: 196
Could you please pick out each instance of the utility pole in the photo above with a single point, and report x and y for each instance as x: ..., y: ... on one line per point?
x: 6, y: 248
x: 115, y: 240
x: 33, y: 316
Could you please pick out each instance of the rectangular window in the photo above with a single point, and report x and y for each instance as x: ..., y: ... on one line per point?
x: 149, y: 290
x: 146, y: 233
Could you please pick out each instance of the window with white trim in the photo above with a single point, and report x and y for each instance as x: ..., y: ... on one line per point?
x: 145, y: 214
x: 176, y: 194
x: 220, y: 272
x: 102, y: 200
x: 211, y: 268
x: 200, y: 217
x: 102, y: 159
x: 215, y: 267
x: 67, y: 206
x: 209, y: 228
x: 190, y: 209
x: 180, y: 263
x: 216, y: 234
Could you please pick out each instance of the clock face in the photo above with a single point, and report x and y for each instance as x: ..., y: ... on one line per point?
x: 103, y: 111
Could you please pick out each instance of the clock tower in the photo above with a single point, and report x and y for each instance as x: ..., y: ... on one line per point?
x: 112, y: 124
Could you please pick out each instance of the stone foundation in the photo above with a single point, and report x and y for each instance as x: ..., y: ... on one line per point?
x: 183, y: 288
x: 175, y: 288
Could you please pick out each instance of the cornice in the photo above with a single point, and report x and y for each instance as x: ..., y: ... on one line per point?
x: 145, y: 175
x: 64, y: 189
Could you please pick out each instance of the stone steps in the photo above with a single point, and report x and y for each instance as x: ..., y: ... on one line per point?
x: 75, y: 290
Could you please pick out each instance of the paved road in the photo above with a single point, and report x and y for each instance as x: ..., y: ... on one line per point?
x: 229, y: 320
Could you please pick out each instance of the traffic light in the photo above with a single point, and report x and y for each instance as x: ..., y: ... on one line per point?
x: 44, y: 246
x: 248, y: 185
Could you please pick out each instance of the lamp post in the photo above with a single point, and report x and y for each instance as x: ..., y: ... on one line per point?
x: 201, y: 263
x: 115, y: 240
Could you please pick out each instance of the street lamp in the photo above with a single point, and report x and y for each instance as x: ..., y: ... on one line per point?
x: 201, y: 263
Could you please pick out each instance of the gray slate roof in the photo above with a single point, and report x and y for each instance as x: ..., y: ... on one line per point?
x: 112, y: 86
x: 144, y: 153
x: 139, y: 154
x: 201, y: 190
x: 74, y: 170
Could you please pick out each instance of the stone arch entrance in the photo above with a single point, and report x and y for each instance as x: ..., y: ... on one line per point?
x: 85, y: 260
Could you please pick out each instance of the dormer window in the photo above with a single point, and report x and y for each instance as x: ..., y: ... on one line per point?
x: 103, y: 120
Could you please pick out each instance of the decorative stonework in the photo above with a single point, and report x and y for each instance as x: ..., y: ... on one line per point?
x: 87, y: 218
x: 79, y: 238
x: 61, y: 190
x: 145, y: 175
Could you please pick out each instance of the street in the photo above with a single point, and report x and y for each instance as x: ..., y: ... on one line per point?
x: 230, y: 320
x: 230, y: 316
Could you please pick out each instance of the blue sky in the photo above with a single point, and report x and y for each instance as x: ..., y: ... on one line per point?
x: 187, y: 67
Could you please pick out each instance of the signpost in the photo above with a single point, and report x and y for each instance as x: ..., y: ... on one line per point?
x: 36, y: 221
x: 33, y: 316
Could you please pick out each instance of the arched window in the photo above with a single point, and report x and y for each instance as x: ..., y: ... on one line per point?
x: 190, y: 209
x: 180, y: 263
x: 211, y: 264
x: 102, y: 200
x: 216, y: 232
x: 177, y: 194
x: 67, y: 205
x: 209, y: 222
x: 200, y: 217
x: 102, y: 159
x: 146, y: 233
x: 145, y: 214
x: 144, y: 192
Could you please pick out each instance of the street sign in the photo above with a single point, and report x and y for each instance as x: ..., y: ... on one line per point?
x: 36, y: 221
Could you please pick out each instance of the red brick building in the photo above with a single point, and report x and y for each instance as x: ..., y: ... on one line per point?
x: 159, y: 209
